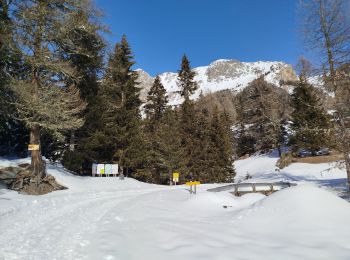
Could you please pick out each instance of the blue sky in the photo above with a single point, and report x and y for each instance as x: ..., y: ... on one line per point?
x: 161, y: 31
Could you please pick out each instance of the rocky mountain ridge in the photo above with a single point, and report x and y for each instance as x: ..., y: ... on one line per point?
x: 221, y: 75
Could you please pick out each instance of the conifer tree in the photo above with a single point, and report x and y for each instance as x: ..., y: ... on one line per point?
x: 85, y: 52
x: 311, y: 124
x: 222, y: 138
x: 187, y: 86
x: 211, y: 158
x: 13, y: 133
x: 4, y: 79
x: 170, y: 135
x: 186, y: 81
x: 264, y: 108
x: 154, y: 168
x: 156, y: 101
x: 46, y: 93
x: 244, y: 141
x: 197, y: 156
x: 118, y: 137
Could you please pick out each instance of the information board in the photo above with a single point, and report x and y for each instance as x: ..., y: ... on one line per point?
x: 104, y: 169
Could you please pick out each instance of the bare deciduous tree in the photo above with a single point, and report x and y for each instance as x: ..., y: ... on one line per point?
x: 326, y: 28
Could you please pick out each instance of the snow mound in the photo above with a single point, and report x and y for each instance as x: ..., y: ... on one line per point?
x: 311, y: 221
x: 305, y: 201
x: 216, y: 201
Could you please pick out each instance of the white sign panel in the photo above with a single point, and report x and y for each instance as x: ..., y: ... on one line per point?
x: 115, y: 169
x: 108, y: 169
x: 100, y: 169
x: 94, y: 169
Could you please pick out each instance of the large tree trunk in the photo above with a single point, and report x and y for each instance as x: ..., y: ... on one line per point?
x: 37, y: 163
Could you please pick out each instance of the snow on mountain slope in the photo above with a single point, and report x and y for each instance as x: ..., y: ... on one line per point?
x: 221, y: 75
x: 106, y: 218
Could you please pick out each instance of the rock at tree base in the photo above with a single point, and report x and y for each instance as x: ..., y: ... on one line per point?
x: 21, y: 179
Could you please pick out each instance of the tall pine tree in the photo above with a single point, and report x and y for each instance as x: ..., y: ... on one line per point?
x: 85, y: 52
x: 154, y: 167
x: 221, y: 137
x: 186, y: 82
x: 156, y: 101
x: 187, y: 86
x: 118, y: 136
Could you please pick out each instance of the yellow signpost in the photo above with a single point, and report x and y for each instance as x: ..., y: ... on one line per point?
x: 191, y: 183
x: 194, y: 185
x: 33, y: 147
x: 176, y: 176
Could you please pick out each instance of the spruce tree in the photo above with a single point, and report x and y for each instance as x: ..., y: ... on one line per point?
x: 187, y: 86
x: 85, y: 52
x: 311, y: 125
x: 154, y: 167
x: 171, y: 148
x: 186, y: 82
x: 227, y: 149
x: 222, y: 145
x: 13, y: 133
x: 5, y: 39
x: 197, y: 161
x: 211, y: 148
x: 156, y: 101
x: 118, y: 136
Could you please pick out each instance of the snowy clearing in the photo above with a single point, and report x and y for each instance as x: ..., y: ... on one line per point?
x: 106, y: 218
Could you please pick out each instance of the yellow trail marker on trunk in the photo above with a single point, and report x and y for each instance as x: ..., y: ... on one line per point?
x: 33, y: 147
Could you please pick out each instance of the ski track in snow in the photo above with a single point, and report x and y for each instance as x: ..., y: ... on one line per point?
x: 58, y: 230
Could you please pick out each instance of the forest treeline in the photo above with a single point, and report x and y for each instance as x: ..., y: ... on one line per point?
x: 62, y: 90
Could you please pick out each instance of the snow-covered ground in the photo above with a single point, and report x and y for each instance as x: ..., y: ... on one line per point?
x: 262, y: 168
x: 106, y: 218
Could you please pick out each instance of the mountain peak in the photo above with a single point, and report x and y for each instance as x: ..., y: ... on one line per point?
x: 220, y: 75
